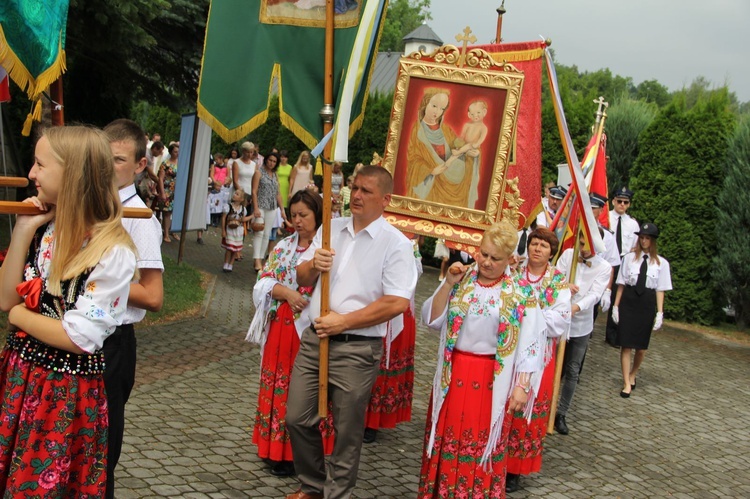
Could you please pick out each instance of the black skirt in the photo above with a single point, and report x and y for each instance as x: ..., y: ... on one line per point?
x: 637, y: 314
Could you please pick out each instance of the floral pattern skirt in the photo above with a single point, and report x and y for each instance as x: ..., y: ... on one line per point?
x: 452, y: 469
x: 392, y: 393
x: 526, y: 441
x: 53, y: 431
x: 270, y: 433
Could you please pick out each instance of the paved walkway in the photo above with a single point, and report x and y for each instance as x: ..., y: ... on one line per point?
x: 189, y: 419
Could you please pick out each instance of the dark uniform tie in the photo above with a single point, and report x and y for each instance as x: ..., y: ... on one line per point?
x: 522, y: 243
x: 640, y: 284
x: 618, y: 234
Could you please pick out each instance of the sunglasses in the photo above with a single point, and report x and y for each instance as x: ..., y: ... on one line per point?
x: 622, y: 201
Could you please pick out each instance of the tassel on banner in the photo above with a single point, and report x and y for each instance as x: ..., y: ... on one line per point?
x: 34, y: 115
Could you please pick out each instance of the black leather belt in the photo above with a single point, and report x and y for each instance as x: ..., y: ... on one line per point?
x: 345, y: 338
x: 352, y: 337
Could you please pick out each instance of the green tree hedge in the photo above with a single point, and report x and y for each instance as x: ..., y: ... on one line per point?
x: 625, y: 122
x: 676, y: 179
x: 731, y: 265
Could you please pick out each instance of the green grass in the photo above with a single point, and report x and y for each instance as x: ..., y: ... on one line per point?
x: 184, y: 289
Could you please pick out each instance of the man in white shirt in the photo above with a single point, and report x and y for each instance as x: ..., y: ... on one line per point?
x: 624, y: 228
x: 591, y: 279
x: 373, y: 277
x: 610, y: 254
x: 554, y: 200
x: 625, y: 237
x: 128, y: 143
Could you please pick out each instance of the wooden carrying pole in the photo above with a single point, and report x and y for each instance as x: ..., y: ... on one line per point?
x: 19, y: 208
x: 325, y: 279
x: 560, y: 356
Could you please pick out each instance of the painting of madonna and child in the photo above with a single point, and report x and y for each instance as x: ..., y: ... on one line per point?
x: 448, y: 143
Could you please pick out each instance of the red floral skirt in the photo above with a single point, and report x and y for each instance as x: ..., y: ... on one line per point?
x: 270, y: 433
x: 390, y: 402
x: 526, y: 441
x: 452, y: 469
x: 53, y: 431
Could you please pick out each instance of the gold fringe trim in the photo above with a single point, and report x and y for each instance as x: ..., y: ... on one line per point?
x: 20, y: 74
x: 518, y: 55
x: 287, y: 121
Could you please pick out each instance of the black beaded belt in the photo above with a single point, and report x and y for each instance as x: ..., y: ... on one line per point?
x: 353, y: 337
x: 32, y: 350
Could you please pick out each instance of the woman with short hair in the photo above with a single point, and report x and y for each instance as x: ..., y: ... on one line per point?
x: 552, y: 307
x: 486, y: 367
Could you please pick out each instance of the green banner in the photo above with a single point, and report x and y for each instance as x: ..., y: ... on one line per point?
x: 248, y: 42
x: 32, y: 42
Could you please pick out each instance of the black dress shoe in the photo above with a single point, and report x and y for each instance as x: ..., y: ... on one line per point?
x: 632, y: 387
x: 283, y: 468
x: 560, y: 426
x: 625, y: 394
x: 512, y: 482
x: 370, y: 435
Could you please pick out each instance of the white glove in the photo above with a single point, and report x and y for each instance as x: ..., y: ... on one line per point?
x: 616, y: 315
x: 606, y: 300
x: 658, y: 321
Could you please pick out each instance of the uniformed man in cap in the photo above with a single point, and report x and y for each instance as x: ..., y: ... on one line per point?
x: 556, y: 195
x: 624, y: 228
x: 623, y: 225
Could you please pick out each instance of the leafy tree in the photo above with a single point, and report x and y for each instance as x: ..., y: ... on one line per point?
x: 118, y: 52
x: 371, y: 137
x: 653, y: 91
x: 676, y: 179
x: 625, y: 122
x: 731, y: 271
x: 403, y: 17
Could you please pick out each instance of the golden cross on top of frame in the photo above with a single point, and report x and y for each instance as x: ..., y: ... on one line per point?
x: 466, y: 38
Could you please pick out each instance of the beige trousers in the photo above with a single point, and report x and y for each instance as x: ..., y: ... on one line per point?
x: 352, y: 370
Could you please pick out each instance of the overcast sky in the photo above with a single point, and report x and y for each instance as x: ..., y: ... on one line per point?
x: 671, y: 41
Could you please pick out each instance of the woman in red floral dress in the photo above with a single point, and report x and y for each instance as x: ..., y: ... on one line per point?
x: 486, y: 365
x: 65, y: 283
x: 392, y: 393
x: 526, y: 439
x: 278, y: 302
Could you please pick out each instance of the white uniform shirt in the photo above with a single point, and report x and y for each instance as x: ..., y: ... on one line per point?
x: 591, y: 282
x: 377, y: 261
x: 628, y: 227
x: 541, y: 219
x: 610, y: 253
x: 147, y: 237
x: 658, y: 275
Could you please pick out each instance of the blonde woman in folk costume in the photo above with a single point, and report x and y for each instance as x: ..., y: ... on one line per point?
x: 434, y: 174
x: 489, y: 366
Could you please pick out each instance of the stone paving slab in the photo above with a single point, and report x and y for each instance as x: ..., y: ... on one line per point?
x: 190, y: 416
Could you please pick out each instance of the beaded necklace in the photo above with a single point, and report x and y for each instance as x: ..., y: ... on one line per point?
x: 541, y: 276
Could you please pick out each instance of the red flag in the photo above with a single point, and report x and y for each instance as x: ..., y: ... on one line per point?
x: 599, y: 179
x: 4, y: 86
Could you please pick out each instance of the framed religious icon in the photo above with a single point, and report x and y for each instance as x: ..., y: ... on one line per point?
x: 450, y: 142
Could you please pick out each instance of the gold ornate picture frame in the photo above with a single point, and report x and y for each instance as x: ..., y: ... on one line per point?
x: 450, y: 141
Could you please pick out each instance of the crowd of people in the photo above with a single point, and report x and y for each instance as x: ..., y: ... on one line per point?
x: 78, y: 276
